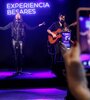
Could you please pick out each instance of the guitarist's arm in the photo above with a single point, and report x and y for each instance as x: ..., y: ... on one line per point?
x: 51, y: 33
x: 49, y: 30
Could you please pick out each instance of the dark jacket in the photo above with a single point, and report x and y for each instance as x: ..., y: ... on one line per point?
x: 17, y: 29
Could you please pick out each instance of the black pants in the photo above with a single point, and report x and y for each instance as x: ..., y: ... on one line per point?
x: 55, y: 52
x: 58, y: 67
x: 18, y: 56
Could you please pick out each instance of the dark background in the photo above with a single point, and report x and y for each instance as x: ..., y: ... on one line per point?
x: 35, y: 46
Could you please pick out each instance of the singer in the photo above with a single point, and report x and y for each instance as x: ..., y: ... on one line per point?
x: 18, y: 27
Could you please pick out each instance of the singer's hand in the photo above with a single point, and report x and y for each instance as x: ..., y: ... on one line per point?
x: 41, y: 24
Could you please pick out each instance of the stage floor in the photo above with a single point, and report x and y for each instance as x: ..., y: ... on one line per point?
x: 42, y: 74
x: 31, y: 85
x: 33, y: 94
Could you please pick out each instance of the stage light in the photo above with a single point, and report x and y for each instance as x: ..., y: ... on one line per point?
x: 89, y: 63
x: 81, y: 18
x: 88, y: 24
x: 85, y: 63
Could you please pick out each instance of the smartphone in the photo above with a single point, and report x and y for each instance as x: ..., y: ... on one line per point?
x: 83, y: 35
x: 66, y: 37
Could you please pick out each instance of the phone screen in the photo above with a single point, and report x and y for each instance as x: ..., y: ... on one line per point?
x: 66, y: 37
x: 84, y: 36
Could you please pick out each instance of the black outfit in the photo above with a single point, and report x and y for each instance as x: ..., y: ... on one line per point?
x: 17, y: 34
x: 58, y: 68
x: 17, y: 29
x: 57, y: 63
x: 55, y: 26
x: 54, y: 49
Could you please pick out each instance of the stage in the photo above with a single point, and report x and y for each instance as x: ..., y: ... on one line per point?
x: 33, y: 94
x: 25, y: 27
x: 31, y: 74
x: 31, y: 85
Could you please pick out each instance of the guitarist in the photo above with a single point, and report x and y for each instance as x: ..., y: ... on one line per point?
x: 18, y: 27
x: 54, y: 48
x: 56, y: 25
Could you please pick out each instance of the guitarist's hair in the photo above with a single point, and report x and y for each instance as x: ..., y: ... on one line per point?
x: 61, y: 14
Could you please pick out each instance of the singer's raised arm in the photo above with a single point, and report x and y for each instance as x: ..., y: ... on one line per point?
x: 6, y: 26
x: 29, y: 27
